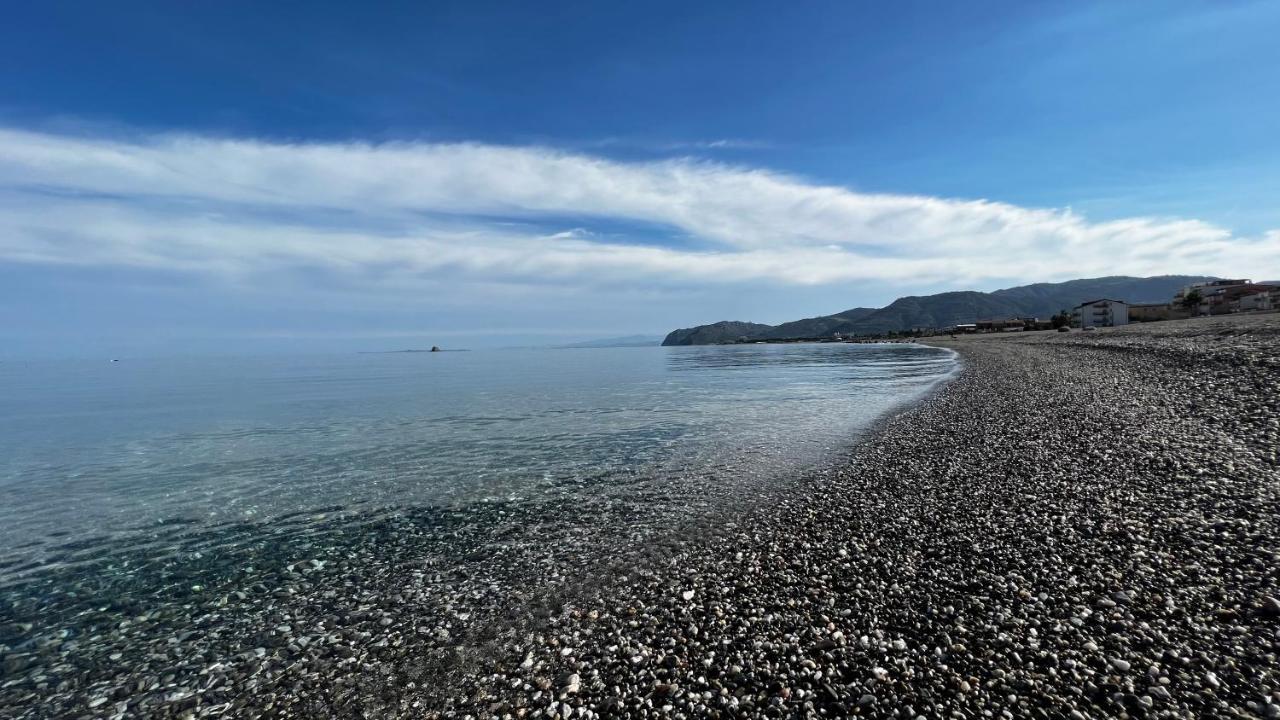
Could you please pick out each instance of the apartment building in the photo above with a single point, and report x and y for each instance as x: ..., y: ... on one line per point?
x: 1100, y: 313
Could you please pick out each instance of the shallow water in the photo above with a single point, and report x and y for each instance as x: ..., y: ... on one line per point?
x: 94, y: 456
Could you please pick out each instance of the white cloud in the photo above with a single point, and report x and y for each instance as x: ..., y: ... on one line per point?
x: 238, y: 207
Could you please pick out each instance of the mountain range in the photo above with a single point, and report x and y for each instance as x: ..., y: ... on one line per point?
x: 945, y: 309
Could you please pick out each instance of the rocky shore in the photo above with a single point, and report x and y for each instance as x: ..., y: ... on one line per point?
x: 1080, y: 525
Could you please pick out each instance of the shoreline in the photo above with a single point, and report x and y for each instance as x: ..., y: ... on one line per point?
x: 335, y: 610
x: 907, y: 574
x: 1080, y: 525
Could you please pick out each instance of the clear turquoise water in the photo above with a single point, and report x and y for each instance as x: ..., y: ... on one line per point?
x: 103, y: 449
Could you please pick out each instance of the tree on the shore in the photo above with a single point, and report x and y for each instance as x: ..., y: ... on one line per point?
x: 1062, y: 319
x: 1191, y: 300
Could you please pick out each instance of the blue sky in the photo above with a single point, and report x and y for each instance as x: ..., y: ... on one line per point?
x: 317, y: 176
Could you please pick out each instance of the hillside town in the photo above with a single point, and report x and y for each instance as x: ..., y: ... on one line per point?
x: 1202, y: 299
x: 1207, y: 298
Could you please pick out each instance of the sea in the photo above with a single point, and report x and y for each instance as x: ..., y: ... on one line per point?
x: 96, y: 455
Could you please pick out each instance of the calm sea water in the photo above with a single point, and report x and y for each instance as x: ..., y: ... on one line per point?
x: 102, y: 449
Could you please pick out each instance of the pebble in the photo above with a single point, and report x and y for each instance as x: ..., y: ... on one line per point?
x: 970, y: 559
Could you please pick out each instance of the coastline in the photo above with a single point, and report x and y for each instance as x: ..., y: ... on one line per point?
x: 344, y: 609
x: 979, y: 546
x: 1080, y: 525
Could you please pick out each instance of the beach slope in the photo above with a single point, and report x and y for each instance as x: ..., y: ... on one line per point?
x: 1081, y: 525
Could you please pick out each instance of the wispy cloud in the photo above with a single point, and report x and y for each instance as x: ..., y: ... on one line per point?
x: 412, y: 210
x: 677, y: 146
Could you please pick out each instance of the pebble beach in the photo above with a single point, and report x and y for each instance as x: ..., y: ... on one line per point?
x: 1082, y: 525
x: 1079, y: 525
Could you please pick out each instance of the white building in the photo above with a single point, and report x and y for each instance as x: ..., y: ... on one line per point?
x: 1255, y: 302
x: 1100, y: 313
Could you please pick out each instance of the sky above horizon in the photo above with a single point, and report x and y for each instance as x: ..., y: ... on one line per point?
x: 235, y: 177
